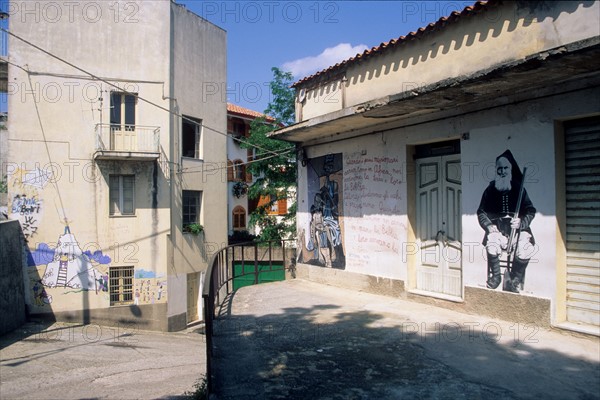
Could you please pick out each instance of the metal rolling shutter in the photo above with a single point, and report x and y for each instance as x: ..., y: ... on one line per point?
x: 582, y: 164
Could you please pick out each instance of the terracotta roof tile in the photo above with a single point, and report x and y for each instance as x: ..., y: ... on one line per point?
x: 246, y: 112
x: 439, y: 24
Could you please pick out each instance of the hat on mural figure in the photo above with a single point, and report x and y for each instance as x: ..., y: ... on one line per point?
x: 517, y: 176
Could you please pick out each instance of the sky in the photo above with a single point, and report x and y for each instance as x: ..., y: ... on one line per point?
x: 304, y: 37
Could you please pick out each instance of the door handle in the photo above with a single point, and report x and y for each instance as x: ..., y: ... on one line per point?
x: 437, y: 235
x: 443, y: 238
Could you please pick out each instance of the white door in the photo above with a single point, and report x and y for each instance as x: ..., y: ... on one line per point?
x: 123, y: 138
x: 439, y: 225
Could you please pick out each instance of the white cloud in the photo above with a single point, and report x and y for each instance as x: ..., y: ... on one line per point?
x: 330, y: 56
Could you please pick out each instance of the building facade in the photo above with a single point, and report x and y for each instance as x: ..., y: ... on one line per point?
x: 116, y: 153
x: 239, y: 177
x: 400, y: 145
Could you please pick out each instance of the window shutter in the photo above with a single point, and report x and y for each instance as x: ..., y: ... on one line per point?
x: 229, y: 170
x: 282, y: 206
x: 248, y: 173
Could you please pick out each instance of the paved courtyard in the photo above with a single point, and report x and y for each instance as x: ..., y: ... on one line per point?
x: 302, y: 340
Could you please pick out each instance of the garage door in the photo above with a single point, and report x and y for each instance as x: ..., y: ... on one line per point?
x: 582, y: 153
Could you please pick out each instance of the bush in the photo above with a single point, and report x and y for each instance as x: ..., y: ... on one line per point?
x: 200, y: 391
x: 241, y: 237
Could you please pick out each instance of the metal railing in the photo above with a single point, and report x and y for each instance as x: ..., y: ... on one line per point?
x: 129, y: 138
x: 219, y: 282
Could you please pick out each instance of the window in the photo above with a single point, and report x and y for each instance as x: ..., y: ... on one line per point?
x: 239, y: 129
x: 191, y: 132
x: 121, y: 194
x: 274, y: 206
x: 191, y: 207
x: 120, y: 286
x: 239, y: 171
x: 239, y: 218
x: 122, y: 111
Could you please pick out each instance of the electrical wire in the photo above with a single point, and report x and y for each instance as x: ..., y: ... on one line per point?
x: 133, y: 94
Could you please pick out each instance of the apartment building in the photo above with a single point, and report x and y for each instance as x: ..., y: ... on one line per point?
x: 116, y: 155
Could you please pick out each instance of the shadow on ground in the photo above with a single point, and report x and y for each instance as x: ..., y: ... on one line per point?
x: 326, y: 351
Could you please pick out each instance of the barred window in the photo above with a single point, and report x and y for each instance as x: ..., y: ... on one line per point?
x: 120, y: 285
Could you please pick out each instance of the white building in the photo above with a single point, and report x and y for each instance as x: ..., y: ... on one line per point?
x: 239, y: 178
x: 116, y: 152
x: 400, y: 142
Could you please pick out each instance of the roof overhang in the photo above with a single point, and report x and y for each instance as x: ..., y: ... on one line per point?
x: 554, y: 71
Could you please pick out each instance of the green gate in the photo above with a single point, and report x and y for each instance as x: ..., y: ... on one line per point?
x: 245, y: 273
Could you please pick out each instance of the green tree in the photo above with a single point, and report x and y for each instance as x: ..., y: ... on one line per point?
x: 274, y: 161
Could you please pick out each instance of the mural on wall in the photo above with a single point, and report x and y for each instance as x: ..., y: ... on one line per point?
x: 505, y: 214
x: 322, y: 239
x: 149, y: 288
x: 71, y: 267
x: 66, y: 266
x: 25, y: 203
x: 373, y: 189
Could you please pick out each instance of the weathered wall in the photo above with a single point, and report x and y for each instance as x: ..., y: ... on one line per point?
x: 375, y: 202
x: 57, y: 190
x: 12, y: 295
x: 198, y: 74
x: 500, y: 34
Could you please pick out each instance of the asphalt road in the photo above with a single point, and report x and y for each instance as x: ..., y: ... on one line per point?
x: 73, y: 361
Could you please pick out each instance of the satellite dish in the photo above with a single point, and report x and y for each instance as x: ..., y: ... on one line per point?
x: 301, y: 95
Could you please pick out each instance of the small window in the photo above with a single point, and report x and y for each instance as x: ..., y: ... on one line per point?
x: 239, y: 171
x: 122, y: 194
x: 239, y: 218
x: 122, y: 111
x: 239, y: 129
x: 191, y: 133
x: 120, y: 285
x: 191, y: 207
x: 274, y: 205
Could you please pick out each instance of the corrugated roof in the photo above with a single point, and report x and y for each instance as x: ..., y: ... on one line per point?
x: 246, y: 112
x: 439, y: 24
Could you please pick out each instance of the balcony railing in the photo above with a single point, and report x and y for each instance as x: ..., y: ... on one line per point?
x: 136, y: 142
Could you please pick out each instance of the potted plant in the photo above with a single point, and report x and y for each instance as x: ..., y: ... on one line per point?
x: 240, y: 189
x: 194, y: 228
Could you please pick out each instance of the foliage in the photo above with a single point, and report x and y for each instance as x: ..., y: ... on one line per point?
x: 200, y: 390
x: 4, y: 185
x: 241, y: 237
x: 274, y: 164
x: 240, y: 189
x: 194, y: 229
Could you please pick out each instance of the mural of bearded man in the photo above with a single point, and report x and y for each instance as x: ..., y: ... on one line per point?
x: 496, y: 215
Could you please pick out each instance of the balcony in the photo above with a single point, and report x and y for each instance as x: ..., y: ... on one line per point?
x: 127, y: 142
